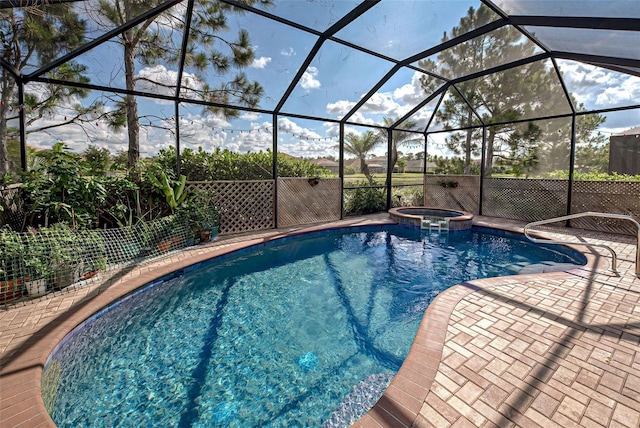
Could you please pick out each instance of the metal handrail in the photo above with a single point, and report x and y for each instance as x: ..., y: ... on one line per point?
x: 614, y: 261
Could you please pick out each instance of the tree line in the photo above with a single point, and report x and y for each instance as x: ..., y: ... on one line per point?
x: 505, y: 101
x: 33, y: 37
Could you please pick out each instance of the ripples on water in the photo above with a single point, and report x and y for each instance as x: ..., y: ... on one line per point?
x: 278, y: 336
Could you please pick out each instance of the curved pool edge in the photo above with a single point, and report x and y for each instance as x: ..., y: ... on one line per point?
x: 21, y: 373
x: 21, y: 369
x: 402, y: 401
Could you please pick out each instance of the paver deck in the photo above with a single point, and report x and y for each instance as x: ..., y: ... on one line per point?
x: 551, y: 349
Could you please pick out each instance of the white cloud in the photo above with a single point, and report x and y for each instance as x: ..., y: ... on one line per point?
x: 411, y: 93
x: 340, y: 107
x: 380, y: 103
x: 290, y: 127
x: 599, y: 88
x: 392, y: 104
x: 310, y: 149
x: 288, y: 52
x: 250, y: 115
x: 333, y: 129
x: 360, y: 118
x: 308, y: 80
x: 159, y: 80
x: 260, y: 62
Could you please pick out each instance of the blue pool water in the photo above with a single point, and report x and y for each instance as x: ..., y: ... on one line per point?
x: 277, y: 336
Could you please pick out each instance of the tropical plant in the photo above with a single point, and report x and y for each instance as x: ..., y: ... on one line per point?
x: 364, y: 199
x: 37, y: 258
x: 63, y: 186
x: 97, y: 160
x: 11, y: 252
x: 400, y: 138
x: 200, y: 211
x: 174, y: 192
x: 360, y: 145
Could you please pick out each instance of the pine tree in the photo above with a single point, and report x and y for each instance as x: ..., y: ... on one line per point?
x: 524, y: 92
x: 154, y: 42
x: 31, y: 37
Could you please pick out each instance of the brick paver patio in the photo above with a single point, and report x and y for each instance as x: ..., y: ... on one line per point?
x: 551, y: 349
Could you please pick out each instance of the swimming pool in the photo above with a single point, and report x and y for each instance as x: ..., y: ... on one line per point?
x: 275, y: 336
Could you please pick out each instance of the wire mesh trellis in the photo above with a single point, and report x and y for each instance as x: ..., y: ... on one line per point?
x: 11, y: 206
x: 51, y: 259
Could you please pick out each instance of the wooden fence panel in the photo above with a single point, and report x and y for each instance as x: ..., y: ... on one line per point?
x: 618, y: 197
x: 538, y: 199
x: 524, y: 199
x: 464, y: 196
x: 300, y: 202
x: 244, y: 205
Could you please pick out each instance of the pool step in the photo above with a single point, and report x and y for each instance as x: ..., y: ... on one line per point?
x: 441, y: 225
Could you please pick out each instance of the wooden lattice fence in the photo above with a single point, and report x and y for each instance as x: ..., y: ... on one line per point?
x: 524, y: 199
x: 538, y: 199
x: 244, y: 205
x: 616, y: 197
x: 464, y: 196
x: 304, y: 201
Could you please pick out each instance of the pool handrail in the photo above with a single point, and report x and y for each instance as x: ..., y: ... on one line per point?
x: 614, y: 261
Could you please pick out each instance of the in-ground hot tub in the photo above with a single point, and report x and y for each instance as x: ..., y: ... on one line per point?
x: 414, y: 216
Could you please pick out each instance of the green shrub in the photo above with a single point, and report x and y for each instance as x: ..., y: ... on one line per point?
x: 591, y: 176
x: 364, y: 199
x: 223, y: 164
x: 407, y: 196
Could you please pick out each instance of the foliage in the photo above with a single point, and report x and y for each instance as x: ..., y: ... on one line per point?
x: 458, y: 166
x: 364, y: 199
x: 174, y: 192
x: 97, y: 160
x: 60, y: 190
x: 407, y: 196
x: 349, y: 170
x: 591, y: 176
x: 33, y: 37
x: 11, y: 251
x: 65, y: 244
x: 400, y: 138
x: 360, y: 146
x: 200, y: 211
x: 503, y: 97
x: 153, y: 42
x: 223, y: 164
x: 36, y: 259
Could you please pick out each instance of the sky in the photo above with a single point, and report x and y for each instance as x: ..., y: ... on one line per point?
x: 335, y: 80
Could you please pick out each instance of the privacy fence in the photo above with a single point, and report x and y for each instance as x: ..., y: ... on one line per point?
x: 60, y: 258
x: 537, y: 199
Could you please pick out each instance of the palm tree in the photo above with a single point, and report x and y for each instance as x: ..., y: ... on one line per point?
x: 399, y: 138
x: 360, y: 146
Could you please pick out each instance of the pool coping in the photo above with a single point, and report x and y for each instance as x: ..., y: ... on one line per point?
x: 21, y: 401
x: 402, y: 401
